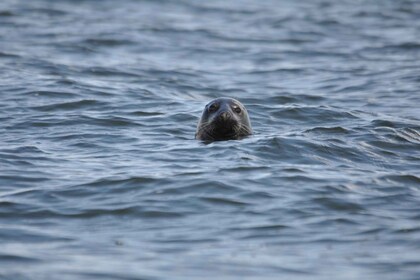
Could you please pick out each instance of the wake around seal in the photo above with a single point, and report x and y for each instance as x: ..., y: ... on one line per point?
x: 223, y: 119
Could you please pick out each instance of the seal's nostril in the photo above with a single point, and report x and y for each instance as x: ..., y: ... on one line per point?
x: 224, y: 115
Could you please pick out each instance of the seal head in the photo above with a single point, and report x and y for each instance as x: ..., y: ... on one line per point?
x: 223, y: 119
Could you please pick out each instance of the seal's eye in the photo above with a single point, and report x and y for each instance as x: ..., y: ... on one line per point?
x: 213, y: 107
x: 237, y: 109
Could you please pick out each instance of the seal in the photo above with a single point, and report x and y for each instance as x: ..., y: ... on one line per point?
x: 223, y: 119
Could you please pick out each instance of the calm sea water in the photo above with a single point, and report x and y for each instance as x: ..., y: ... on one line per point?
x: 100, y: 175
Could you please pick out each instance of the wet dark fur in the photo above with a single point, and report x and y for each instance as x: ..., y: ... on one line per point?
x: 223, y: 119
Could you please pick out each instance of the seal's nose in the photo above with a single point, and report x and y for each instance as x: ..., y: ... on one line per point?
x: 224, y: 116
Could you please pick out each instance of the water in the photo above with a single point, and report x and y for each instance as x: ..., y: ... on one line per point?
x: 100, y: 175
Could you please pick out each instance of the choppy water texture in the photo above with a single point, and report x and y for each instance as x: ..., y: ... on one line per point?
x: 101, y: 177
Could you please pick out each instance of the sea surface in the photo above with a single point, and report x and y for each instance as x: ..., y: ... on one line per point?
x: 101, y: 177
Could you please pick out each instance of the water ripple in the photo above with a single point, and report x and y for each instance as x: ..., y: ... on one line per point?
x: 100, y: 171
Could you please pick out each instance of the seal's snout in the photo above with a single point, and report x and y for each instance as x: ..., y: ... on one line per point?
x: 224, y: 116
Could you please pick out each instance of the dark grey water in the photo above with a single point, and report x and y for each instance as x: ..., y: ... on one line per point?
x: 100, y: 175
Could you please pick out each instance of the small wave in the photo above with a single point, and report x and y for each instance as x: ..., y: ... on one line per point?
x: 308, y: 114
x: 8, y: 55
x: 51, y: 94
x: 14, y: 258
x: 24, y: 150
x: 68, y: 106
x: 110, y: 121
x: 407, y: 46
x: 393, y: 124
x: 108, y: 186
x: 44, y: 11
x: 146, y: 114
x: 404, y: 178
x: 337, y: 204
x: 6, y: 13
x: 222, y: 201
x: 108, y: 72
x: 328, y: 130
x: 108, y: 42
x: 409, y: 135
